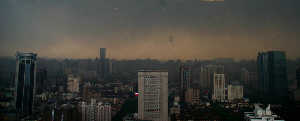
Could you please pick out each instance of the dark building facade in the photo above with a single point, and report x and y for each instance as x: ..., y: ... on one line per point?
x: 185, y: 79
x: 104, y: 64
x: 41, y: 80
x: 25, y: 82
x: 102, y: 53
x: 298, y: 77
x: 272, y: 76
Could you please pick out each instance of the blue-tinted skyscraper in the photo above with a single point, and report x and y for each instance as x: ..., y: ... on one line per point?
x: 272, y: 75
x: 25, y: 82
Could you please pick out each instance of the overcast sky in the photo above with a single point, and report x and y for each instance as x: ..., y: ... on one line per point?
x: 159, y: 29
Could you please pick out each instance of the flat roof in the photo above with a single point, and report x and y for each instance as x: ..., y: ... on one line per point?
x: 154, y: 70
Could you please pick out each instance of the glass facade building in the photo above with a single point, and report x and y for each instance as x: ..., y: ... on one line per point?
x: 25, y: 82
x: 272, y: 74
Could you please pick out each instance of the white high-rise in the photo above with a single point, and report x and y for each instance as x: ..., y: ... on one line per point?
x: 219, y: 87
x: 153, y: 95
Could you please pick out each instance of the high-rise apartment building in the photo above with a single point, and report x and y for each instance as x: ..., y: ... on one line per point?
x: 153, y: 95
x: 218, y: 93
x: 272, y: 75
x: 25, y: 82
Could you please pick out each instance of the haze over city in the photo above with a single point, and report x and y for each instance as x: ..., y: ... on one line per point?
x: 158, y: 29
x: 149, y: 60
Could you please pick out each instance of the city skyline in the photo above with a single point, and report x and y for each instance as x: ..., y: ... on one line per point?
x: 176, y: 29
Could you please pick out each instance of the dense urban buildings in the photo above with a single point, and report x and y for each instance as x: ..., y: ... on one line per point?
x: 153, y: 95
x: 218, y: 93
x: 95, y: 111
x: 25, y: 82
x: 149, y: 60
x: 272, y: 75
x: 192, y: 96
x: 207, y: 75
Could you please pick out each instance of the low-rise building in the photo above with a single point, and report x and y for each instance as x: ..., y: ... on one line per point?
x: 260, y: 114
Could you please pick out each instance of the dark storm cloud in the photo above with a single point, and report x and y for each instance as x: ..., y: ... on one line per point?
x: 142, y: 28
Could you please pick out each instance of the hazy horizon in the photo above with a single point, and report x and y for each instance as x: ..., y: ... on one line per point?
x: 158, y: 29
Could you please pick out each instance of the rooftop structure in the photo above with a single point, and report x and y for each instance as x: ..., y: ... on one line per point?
x: 260, y: 114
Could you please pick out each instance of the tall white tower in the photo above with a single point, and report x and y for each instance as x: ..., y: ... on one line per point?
x: 153, y: 95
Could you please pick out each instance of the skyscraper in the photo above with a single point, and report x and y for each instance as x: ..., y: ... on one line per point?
x: 104, y: 64
x: 185, y: 79
x: 102, y: 53
x: 25, y: 82
x: 298, y: 77
x: 272, y: 75
x: 218, y: 93
x: 153, y: 95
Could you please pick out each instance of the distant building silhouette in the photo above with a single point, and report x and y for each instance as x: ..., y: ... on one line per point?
x: 105, y: 65
x: 153, y: 95
x: 185, y: 79
x: 102, y: 53
x: 25, y: 82
x: 272, y: 75
x: 249, y: 79
x: 41, y: 80
x: 245, y: 76
x: 207, y: 75
x: 298, y: 77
